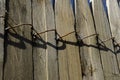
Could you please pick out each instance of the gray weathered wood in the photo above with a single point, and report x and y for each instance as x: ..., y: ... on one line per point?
x: 18, y: 64
x: 51, y: 50
x: 90, y: 57
x: 68, y: 51
x: 108, y: 57
x: 39, y: 52
x: 114, y: 19
x: 2, y: 14
x: 45, y: 57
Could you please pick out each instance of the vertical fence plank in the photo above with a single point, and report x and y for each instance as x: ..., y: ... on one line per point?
x: 18, y: 64
x: 45, y: 57
x: 68, y: 52
x: 39, y: 49
x: 2, y: 23
x: 108, y: 58
x: 90, y: 57
x: 51, y: 43
x: 114, y: 19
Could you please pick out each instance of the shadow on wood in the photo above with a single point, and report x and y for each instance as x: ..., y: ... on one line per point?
x: 43, y: 44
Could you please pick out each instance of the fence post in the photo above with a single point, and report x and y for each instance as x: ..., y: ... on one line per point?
x: 68, y: 50
x: 2, y: 23
x: 18, y: 64
x: 114, y: 20
x: 90, y: 57
x: 44, y: 49
x: 108, y: 57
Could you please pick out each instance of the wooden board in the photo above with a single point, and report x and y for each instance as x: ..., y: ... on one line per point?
x: 114, y: 19
x: 108, y: 57
x: 2, y: 23
x: 68, y: 51
x: 90, y: 57
x: 18, y: 59
x: 39, y: 52
x: 51, y: 43
x: 45, y: 57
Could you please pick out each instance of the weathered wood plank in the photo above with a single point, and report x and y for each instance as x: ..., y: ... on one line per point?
x: 51, y: 43
x: 68, y: 52
x: 90, y: 57
x: 45, y: 57
x: 39, y: 52
x: 18, y: 64
x: 108, y: 57
x: 2, y: 23
x: 114, y: 19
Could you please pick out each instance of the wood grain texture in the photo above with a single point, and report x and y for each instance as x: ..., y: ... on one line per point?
x: 18, y: 64
x: 45, y: 57
x: 2, y: 23
x: 114, y: 19
x: 108, y: 57
x: 39, y: 52
x: 68, y: 51
x: 51, y: 43
x: 90, y: 57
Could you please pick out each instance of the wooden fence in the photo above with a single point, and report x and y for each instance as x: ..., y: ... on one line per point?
x: 44, y: 41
